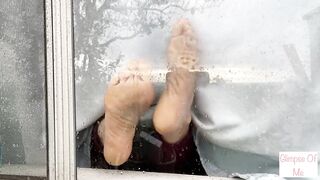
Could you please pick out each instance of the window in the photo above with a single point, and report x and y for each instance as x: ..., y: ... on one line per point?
x: 23, y: 136
x: 258, y: 91
x: 253, y: 52
x: 108, y: 35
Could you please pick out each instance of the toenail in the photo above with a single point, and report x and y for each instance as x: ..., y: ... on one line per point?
x: 116, y: 82
x: 140, y: 78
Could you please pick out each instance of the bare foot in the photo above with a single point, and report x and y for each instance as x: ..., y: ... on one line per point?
x: 173, y: 112
x: 128, y: 96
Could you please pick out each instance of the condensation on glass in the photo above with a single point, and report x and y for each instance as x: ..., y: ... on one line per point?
x: 22, y: 86
x: 262, y: 59
x: 107, y: 35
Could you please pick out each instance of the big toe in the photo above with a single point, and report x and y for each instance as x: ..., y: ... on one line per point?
x: 182, y: 27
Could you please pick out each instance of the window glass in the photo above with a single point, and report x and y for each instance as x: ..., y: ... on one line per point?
x: 252, y: 69
x: 22, y: 87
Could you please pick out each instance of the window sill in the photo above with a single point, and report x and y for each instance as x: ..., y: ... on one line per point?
x: 102, y: 174
x: 24, y: 170
x: 99, y: 174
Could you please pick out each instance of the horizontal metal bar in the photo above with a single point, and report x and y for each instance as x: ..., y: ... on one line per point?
x: 228, y: 75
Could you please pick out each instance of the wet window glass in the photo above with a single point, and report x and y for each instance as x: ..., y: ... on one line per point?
x: 23, y: 148
x: 209, y: 87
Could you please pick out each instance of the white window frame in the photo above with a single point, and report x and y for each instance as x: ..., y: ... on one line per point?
x: 60, y: 90
x: 61, y: 105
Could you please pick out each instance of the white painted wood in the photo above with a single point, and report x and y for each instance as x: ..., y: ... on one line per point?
x: 102, y: 174
x: 60, y: 84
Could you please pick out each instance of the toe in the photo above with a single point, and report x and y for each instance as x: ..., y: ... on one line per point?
x: 141, y: 69
x: 115, y: 80
x: 182, y: 27
x: 183, y: 36
x: 124, y: 76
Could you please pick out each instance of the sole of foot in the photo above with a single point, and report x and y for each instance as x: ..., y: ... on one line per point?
x: 173, y: 112
x: 128, y: 96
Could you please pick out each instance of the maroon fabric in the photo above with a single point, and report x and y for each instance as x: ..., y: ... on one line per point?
x: 95, y: 139
x: 180, y: 157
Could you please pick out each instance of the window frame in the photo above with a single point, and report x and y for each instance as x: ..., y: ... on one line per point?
x: 60, y: 102
x: 60, y: 90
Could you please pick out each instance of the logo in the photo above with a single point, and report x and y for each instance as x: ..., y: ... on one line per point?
x: 298, y: 164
